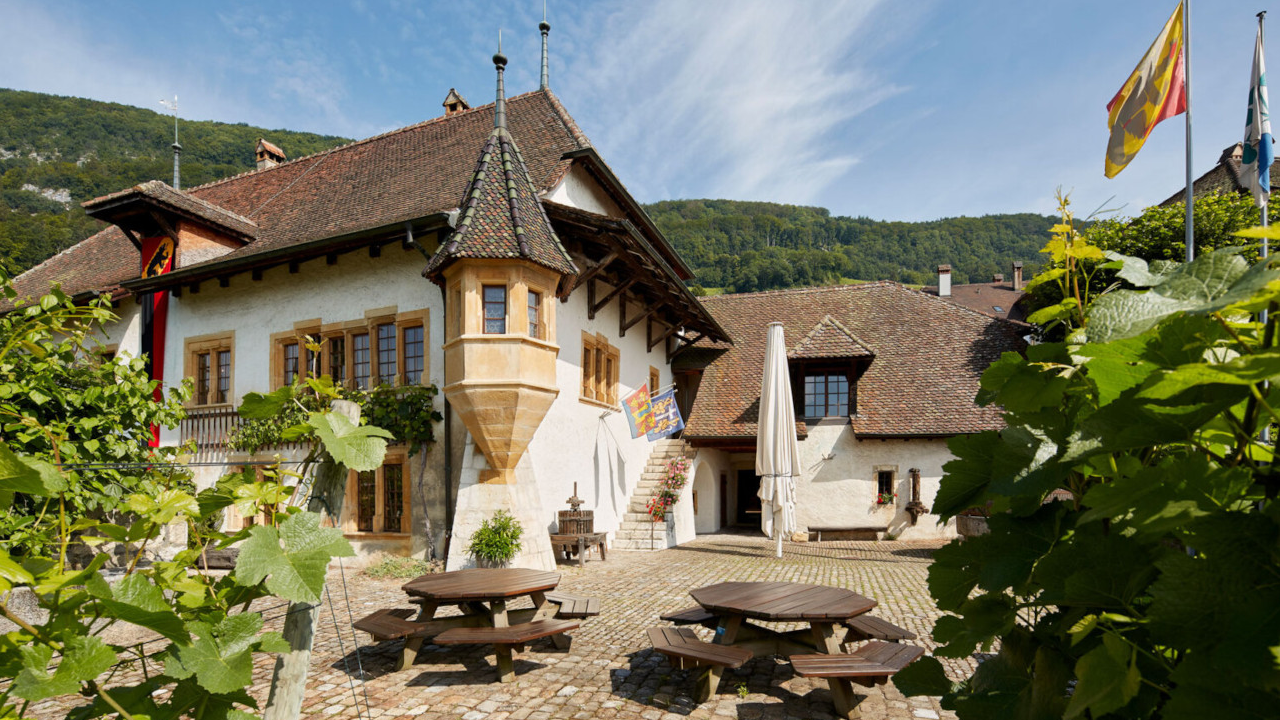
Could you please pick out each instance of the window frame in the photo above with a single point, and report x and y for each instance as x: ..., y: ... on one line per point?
x: 601, y: 368
x: 348, y: 331
x: 484, y: 309
x: 211, y: 346
x: 533, y: 314
x: 351, y: 512
x: 800, y: 374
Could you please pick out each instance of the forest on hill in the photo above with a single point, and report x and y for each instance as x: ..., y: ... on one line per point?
x: 749, y: 246
x: 56, y: 152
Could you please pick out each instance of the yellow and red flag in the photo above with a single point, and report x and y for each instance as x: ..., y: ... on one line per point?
x: 1155, y: 91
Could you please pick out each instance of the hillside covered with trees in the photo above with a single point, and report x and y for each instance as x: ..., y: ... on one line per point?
x: 747, y: 246
x: 56, y: 152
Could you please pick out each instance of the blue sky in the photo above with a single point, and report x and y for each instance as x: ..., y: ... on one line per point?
x: 893, y: 110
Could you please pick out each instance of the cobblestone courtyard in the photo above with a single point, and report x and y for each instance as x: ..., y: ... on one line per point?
x: 610, y: 671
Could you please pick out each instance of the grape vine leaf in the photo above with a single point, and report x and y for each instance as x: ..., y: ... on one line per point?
x: 357, y: 447
x: 134, y: 599
x: 295, y: 570
x: 83, y: 658
x: 28, y: 475
x: 221, y: 658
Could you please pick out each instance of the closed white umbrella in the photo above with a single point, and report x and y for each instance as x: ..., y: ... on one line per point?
x: 777, y: 450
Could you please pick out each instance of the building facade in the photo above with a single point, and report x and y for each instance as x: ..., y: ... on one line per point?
x: 493, y: 254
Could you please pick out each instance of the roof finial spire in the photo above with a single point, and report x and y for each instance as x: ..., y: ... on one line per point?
x: 500, y: 105
x: 545, y: 27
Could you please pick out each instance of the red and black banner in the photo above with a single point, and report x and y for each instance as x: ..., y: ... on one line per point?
x: 157, y: 259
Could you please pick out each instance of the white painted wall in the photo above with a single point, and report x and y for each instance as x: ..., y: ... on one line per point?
x: 125, y: 333
x: 586, y: 443
x: 578, y: 189
x: 334, y: 293
x: 838, y: 484
x: 255, y: 310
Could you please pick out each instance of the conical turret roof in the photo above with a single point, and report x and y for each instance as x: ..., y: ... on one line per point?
x: 501, y: 216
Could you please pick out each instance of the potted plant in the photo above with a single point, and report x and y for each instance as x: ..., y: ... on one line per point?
x: 497, y: 541
x: 886, y: 498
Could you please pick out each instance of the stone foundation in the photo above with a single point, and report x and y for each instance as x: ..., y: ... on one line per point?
x: 478, y: 501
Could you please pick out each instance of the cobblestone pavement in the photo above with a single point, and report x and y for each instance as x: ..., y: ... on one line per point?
x: 610, y: 670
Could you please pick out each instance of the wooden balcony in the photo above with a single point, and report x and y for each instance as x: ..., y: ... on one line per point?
x: 209, y: 427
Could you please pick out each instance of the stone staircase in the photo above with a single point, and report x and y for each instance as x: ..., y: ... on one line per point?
x: 637, y: 531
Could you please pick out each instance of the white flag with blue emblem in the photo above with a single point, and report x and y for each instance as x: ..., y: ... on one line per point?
x: 1258, y: 150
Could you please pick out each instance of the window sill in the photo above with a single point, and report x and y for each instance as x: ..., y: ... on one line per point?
x: 832, y: 420
x: 376, y: 535
x: 591, y: 401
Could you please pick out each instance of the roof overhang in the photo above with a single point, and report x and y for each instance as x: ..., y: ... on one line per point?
x: 153, y: 208
x: 601, y: 171
x: 226, y: 267
x: 648, y: 266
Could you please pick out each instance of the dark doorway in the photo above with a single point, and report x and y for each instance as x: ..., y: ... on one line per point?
x: 748, y: 498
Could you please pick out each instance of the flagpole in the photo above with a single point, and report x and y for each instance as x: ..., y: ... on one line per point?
x: 1262, y: 316
x: 1186, y: 69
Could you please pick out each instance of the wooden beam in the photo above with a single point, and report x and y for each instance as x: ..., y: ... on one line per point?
x: 653, y: 342
x: 256, y: 274
x: 224, y: 281
x: 331, y: 259
x: 195, y: 287
x: 596, y: 269
x: 682, y: 343
x: 591, y: 299
x: 375, y: 250
x: 293, y: 267
x: 132, y: 237
x: 597, y: 307
x: 176, y: 291
x: 624, y: 324
x: 165, y: 227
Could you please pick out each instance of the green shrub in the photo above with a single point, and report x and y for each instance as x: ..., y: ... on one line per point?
x: 497, y: 540
x: 388, y: 567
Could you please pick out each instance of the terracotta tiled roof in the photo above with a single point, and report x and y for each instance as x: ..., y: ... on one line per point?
x: 379, y: 182
x: 929, y: 355
x: 829, y: 339
x: 501, y: 214
x: 997, y: 299
x: 184, y: 203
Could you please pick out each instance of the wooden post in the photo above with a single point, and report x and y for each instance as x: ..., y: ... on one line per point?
x: 289, y: 679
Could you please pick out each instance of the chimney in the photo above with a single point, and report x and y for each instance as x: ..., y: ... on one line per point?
x: 1017, y: 274
x: 944, y: 281
x: 268, y: 155
x: 997, y: 278
x: 454, y: 103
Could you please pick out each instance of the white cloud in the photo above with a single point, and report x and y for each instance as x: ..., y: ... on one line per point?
x: 742, y: 100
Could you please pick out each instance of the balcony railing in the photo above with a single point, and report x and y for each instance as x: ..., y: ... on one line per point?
x: 209, y: 427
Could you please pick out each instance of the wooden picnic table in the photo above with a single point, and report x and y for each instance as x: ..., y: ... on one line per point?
x: 482, y: 595
x: 823, y: 608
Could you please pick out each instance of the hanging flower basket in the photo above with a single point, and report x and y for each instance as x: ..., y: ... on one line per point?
x: 886, y: 498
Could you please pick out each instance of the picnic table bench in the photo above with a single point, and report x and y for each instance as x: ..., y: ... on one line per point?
x: 834, y: 615
x: 849, y: 528
x: 871, y: 664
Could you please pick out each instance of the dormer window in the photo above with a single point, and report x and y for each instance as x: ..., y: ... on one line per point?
x: 495, y: 309
x: 826, y: 394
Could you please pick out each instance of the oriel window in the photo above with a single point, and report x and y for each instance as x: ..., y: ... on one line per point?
x: 535, y: 319
x: 495, y: 309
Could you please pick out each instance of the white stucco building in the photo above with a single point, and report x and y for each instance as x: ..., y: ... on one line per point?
x: 492, y: 253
